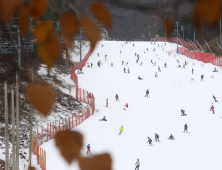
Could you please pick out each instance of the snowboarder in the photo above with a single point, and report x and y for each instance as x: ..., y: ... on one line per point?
x: 159, y: 69
x: 106, y: 102
x: 171, y: 137
x: 124, y: 70
x: 117, y: 97
x: 157, y: 137
x: 91, y: 65
x: 98, y: 54
x: 156, y: 74
x: 128, y: 70
x: 149, y: 140
x: 202, y: 77
x: 179, y: 66
x: 183, y: 113
x: 140, y: 78
x: 88, y: 149
x: 147, y: 93
x: 212, y: 108
x: 215, y: 100
x: 122, y: 62
x: 121, y: 130
x: 137, y: 164
x: 165, y: 65
x: 185, y: 127
x: 192, y: 70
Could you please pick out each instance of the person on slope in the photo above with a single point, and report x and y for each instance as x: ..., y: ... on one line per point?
x: 104, y: 118
x: 106, y: 102
x: 102, y: 45
x: 137, y: 61
x: 144, y: 52
x: 212, y: 108
x: 88, y: 148
x: 159, y: 69
x: 156, y: 74
x: 202, y: 77
x: 120, y: 52
x: 154, y: 49
x: 91, y: 65
x: 98, y: 54
x: 183, y: 66
x: 185, y: 62
x: 122, y: 62
x: 215, y: 100
x: 149, y: 140
x: 135, y: 54
x: 141, y: 63
x: 183, y: 112
x: 158, y: 45
x: 121, y: 130
x: 157, y: 137
x: 146, y: 49
x: 98, y: 64
x: 165, y: 65
x: 151, y: 61
x: 171, y: 137
x: 133, y: 45
x: 192, y: 70
x: 137, y: 164
x: 126, y: 63
x: 124, y: 70
x: 147, y: 93
x: 126, y: 105
x: 179, y: 66
x: 128, y: 70
x: 140, y: 78
x: 117, y: 97
x: 185, y: 127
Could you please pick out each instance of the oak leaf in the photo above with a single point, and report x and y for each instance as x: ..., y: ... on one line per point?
x: 37, y: 8
x: 70, y: 27
x: 169, y: 27
x: 42, y: 97
x: 69, y: 144
x: 102, y: 14
x: 91, y: 31
x: 41, y: 30
x: 99, y: 162
x: 23, y: 19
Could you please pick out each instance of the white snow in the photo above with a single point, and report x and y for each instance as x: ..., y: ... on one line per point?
x: 170, y: 92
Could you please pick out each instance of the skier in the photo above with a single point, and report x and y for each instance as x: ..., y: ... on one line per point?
x: 183, y: 113
x: 120, y: 52
x: 202, y: 77
x: 185, y: 127
x: 149, y: 140
x: 135, y: 54
x: 151, y: 61
x: 215, y: 100
x: 154, y: 49
x: 98, y: 54
x: 137, y: 61
x: 185, y: 62
x: 140, y: 78
x: 121, y: 130
x: 112, y: 64
x: 88, y: 149
x: 159, y: 69
x: 146, y: 49
x: 183, y: 66
x: 133, y: 45
x: 157, y: 137
x: 103, y: 119
x: 126, y: 105
x: 192, y: 70
x: 212, y: 108
x: 126, y: 63
x: 156, y: 74
x: 128, y: 70
x: 124, y: 70
x: 106, y: 102
x: 171, y: 137
x: 91, y: 65
x: 102, y: 45
x: 141, y: 63
x: 137, y: 164
x: 98, y: 64
x: 154, y: 43
x: 144, y: 52
x: 122, y: 62
x: 117, y: 97
x: 165, y: 65
x: 158, y: 45
x: 147, y: 93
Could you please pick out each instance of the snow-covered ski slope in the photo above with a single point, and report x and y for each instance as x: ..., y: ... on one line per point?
x: 169, y: 93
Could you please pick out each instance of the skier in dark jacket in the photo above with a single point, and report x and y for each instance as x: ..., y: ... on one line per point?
x: 137, y: 164
x: 185, y: 127
x: 171, y: 137
x: 91, y: 65
x: 192, y: 70
x: 215, y: 98
x: 124, y: 70
x: 183, y: 112
x: 147, y: 93
x: 98, y: 54
x: 122, y: 62
x: 202, y: 77
x: 150, y: 141
x: 157, y: 137
x: 140, y: 78
x: 88, y: 148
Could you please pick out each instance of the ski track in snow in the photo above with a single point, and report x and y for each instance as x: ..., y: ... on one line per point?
x: 170, y: 92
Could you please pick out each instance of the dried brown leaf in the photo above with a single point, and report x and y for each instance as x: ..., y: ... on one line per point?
x: 91, y: 31
x: 99, y: 162
x: 53, y: 45
x: 70, y: 27
x: 31, y: 168
x: 208, y: 11
x: 41, y: 30
x: 37, y: 8
x: 169, y: 27
x: 196, y: 22
x: 42, y: 97
x: 102, y: 14
x: 69, y: 144
x: 23, y: 19
x: 8, y: 8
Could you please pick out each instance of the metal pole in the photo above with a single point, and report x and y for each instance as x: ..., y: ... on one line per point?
x: 194, y: 45
x: 13, y: 130
x: 200, y: 46
x: 31, y: 122
x: 220, y: 29
x: 17, y: 122
x: 194, y: 37
x: 19, y: 50
x: 190, y: 44
x: 183, y: 33
x: 165, y: 28
x: 80, y: 50
x: 177, y: 36
x: 6, y: 128
x: 219, y: 46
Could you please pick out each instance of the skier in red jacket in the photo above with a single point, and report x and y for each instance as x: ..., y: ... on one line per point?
x: 117, y: 97
x: 126, y: 105
x: 212, y: 108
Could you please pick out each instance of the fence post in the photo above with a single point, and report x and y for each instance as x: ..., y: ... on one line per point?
x: 88, y: 97
x: 47, y: 131
x: 72, y: 120
x: 50, y: 131
x: 42, y: 135
x: 80, y: 94
x: 82, y: 115
x: 69, y: 122
x: 55, y: 127
x: 62, y: 124
x: 84, y: 95
x: 59, y: 125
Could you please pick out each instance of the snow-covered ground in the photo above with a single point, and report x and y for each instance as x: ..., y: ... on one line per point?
x: 169, y: 93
